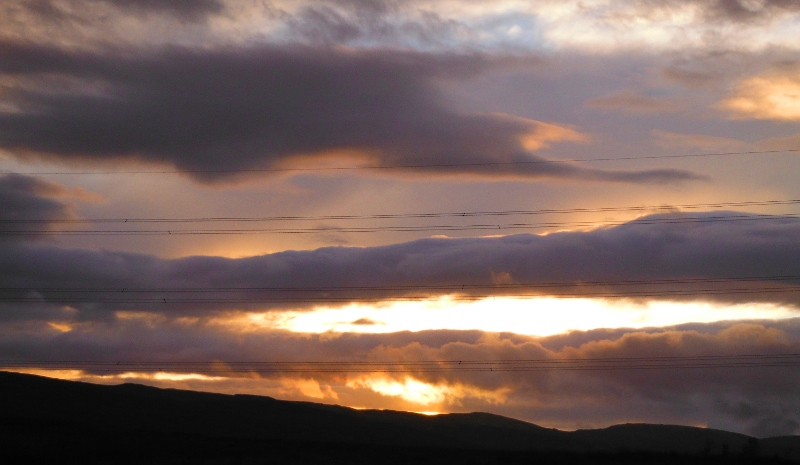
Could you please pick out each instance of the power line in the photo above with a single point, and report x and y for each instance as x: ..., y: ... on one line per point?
x: 499, y: 365
x: 647, y: 208
x: 421, y: 362
x: 421, y: 228
x: 408, y: 166
x: 358, y: 298
x: 450, y: 287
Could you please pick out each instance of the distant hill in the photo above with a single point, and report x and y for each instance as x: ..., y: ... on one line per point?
x: 40, y: 417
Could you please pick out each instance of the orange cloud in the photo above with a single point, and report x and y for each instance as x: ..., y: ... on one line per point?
x: 771, y: 97
x: 427, y: 394
x: 542, y: 135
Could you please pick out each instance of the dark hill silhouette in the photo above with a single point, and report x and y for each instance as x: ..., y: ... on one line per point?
x: 79, y: 418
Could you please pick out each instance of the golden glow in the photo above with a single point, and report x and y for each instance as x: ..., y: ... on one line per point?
x: 543, y: 134
x: 422, y: 393
x: 776, y: 98
x: 69, y: 375
x: 61, y: 327
x: 148, y: 318
x: 410, y: 390
x: 164, y: 376
x: 306, y: 388
x: 80, y: 375
x: 542, y: 316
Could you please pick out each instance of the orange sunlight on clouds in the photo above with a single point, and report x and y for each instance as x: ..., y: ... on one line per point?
x: 776, y: 98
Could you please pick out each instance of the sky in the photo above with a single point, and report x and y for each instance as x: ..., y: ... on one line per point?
x: 574, y: 213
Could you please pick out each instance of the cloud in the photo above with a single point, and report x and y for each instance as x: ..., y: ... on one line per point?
x: 675, y: 25
x: 55, y: 11
x: 190, y: 9
x: 781, y: 143
x: 677, y: 246
x: 377, y: 22
x: 461, y: 24
x: 751, y: 10
x: 758, y: 400
x: 31, y: 203
x: 690, y: 78
x: 769, y: 97
x: 706, y: 143
x: 218, y: 114
x: 634, y: 102
x: 715, y: 11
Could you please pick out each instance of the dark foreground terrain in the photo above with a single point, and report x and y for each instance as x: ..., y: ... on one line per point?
x: 50, y: 421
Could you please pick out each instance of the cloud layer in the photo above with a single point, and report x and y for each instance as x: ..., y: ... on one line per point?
x: 720, y: 256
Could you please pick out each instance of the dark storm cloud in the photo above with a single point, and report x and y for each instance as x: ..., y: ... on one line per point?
x: 25, y: 198
x: 218, y: 113
x: 597, y: 263
x: 759, y: 400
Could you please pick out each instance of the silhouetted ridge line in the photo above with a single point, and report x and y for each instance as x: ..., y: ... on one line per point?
x: 44, y: 411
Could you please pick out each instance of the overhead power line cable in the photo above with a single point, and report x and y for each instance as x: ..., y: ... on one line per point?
x: 789, y: 360
x: 407, y: 228
x: 411, y: 287
x: 163, y: 300
x: 408, y: 166
x: 390, y: 216
x: 460, y: 298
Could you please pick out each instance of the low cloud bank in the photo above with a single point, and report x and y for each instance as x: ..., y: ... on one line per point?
x: 719, y: 256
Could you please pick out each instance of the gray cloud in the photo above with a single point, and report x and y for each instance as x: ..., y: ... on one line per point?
x: 182, y: 8
x: 50, y: 10
x: 217, y: 114
x: 659, y: 247
x: 737, y: 11
x: 26, y: 199
x: 354, y: 22
x: 743, y: 10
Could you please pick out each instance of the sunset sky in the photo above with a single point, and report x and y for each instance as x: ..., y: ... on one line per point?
x: 571, y: 212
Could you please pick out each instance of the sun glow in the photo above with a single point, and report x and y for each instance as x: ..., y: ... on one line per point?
x: 410, y: 390
x: 80, y: 375
x: 422, y: 393
x: 543, y: 316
